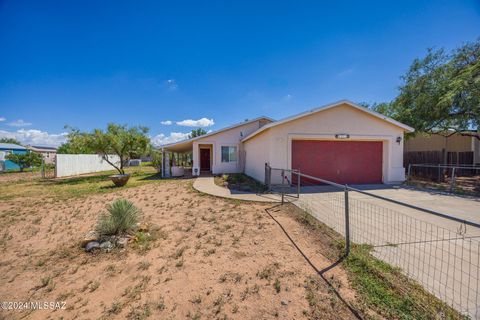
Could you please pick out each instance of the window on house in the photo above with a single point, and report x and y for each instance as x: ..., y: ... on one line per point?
x: 229, y: 154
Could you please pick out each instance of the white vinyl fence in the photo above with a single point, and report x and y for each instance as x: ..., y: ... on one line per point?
x: 75, y: 164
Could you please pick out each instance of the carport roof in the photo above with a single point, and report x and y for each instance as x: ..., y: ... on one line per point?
x: 326, y: 107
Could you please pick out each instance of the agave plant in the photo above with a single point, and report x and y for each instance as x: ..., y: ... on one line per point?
x: 121, y: 217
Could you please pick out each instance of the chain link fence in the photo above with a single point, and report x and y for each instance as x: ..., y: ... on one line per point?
x: 439, y: 251
x: 452, y: 178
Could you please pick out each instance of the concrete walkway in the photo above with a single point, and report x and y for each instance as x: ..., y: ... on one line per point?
x: 441, y: 254
x: 207, y: 185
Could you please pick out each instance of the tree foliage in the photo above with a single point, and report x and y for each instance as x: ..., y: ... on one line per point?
x: 10, y: 140
x: 25, y: 160
x: 120, y: 140
x: 197, y: 133
x: 77, y: 143
x: 440, y: 92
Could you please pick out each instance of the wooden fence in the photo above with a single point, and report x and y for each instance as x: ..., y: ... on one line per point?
x: 438, y: 158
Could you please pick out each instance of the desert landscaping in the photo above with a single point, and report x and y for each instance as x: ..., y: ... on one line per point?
x: 205, y: 257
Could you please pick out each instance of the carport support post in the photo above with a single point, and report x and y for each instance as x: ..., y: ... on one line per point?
x: 347, y: 223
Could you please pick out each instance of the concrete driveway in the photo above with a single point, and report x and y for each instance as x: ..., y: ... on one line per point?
x: 442, y: 255
x: 463, y: 207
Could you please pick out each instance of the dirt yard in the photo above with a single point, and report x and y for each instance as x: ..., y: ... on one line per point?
x: 212, y: 259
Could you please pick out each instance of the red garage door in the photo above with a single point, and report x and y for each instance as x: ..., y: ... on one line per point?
x: 351, y: 162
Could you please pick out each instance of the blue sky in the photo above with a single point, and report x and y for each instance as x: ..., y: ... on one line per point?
x: 88, y: 63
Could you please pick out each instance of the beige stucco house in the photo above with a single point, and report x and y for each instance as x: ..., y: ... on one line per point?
x: 341, y: 142
x: 48, y: 153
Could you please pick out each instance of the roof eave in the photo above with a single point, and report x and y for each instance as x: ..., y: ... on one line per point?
x: 326, y: 107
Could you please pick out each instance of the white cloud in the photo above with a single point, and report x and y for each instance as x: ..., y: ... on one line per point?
x: 287, y: 97
x: 162, y: 139
x: 35, y: 137
x: 345, y: 72
x: 2, y: 119
x: 19, y: 123
x: 171, y: 84
x: 204, y: 122
x: 166, y: 122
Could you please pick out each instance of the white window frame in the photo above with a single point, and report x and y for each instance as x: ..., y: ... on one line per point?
x: 235, y: 152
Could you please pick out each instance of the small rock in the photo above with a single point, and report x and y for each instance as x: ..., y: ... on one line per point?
x: 284, y: 303
x: 92, y: 245
x: 122, y: 242
x: 142, y: 226
x: 106, y: 246
x: 89, y: 237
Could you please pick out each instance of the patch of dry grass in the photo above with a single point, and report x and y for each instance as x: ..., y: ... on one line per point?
x: 206, y: 258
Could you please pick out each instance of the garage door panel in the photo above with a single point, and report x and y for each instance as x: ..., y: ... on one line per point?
x: 352, y: 162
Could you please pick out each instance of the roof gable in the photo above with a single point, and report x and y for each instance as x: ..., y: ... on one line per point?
x: 327, y: 107
x: 220, y: 131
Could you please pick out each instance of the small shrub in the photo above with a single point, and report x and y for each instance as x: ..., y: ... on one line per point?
x: 122, y: 216
x: 277, y: 286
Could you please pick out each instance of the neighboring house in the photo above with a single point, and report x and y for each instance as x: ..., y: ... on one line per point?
x: 6, y: 149
x: 341, y: 142
x: 445, y: 144
x: 48, y: 153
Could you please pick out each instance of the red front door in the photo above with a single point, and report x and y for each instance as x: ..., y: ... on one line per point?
x: 350, y: 162
x: 204, y: 159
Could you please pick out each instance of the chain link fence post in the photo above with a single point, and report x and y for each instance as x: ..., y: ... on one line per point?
x: 268, y: 177
x: 347, y: 223
x: 298, y: 184
x: 42, y: 170
x: 452, y: 184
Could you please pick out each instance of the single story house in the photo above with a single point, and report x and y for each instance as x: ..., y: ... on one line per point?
x: 6, y: 149
x: 341, y: 142
x: 444, y: 143
x: 48, y: 153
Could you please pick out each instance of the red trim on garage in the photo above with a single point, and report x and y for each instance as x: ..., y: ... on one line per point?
x: 350, y: 162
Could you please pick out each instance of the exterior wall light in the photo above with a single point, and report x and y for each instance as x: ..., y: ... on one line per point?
x: 399, y: 139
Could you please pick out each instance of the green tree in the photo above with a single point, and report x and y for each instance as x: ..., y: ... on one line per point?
x: 25, y: 160
x: 156, y: 159
x: 10, y: 140
x: 119, y: 140
x: 77, y: 143
x: 441, y: 92
x: 197, y: 133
